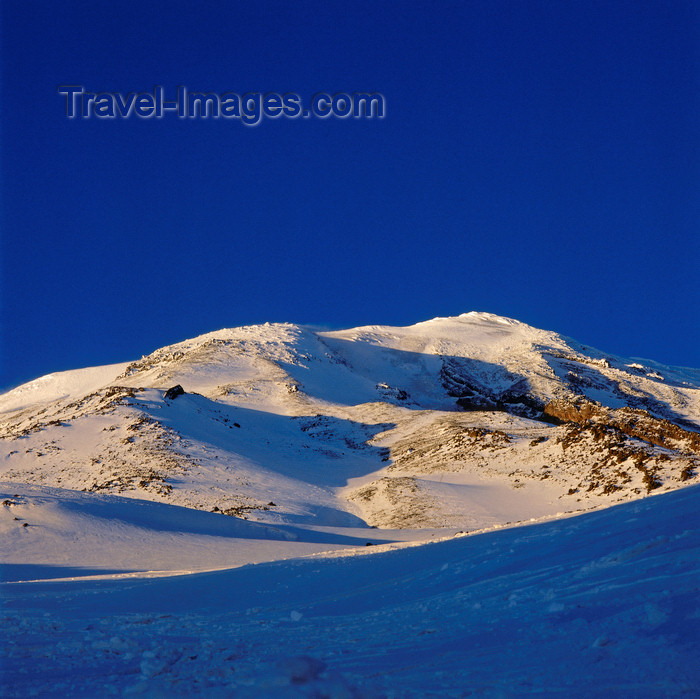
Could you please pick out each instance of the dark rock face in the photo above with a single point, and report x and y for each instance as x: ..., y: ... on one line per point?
x: 469, y: 392
x: 457, y: 378
x: 520, y: 394
x: 518, y: 400
x: 476, y: 402
x: 174, y: 392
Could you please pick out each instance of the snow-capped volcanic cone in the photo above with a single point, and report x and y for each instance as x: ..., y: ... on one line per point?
x: 458, y: 422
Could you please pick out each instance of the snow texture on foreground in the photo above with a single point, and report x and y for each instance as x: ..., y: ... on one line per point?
x: 602, y: 604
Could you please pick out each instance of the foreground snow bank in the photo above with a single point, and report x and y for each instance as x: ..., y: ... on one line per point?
x: 603, y: 604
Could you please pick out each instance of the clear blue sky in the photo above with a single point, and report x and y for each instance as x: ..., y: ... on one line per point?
x: 539, y: 160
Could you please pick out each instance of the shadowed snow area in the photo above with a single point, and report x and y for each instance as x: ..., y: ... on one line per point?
x: 468, y: 505
x: 70, y: 534
x: 603, y: 604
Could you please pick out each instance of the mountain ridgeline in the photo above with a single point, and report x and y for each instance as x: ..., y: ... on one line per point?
x: 460, y: 423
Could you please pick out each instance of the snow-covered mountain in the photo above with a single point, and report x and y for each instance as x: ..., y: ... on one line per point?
x: 256, y: 444
x: 455, y: 422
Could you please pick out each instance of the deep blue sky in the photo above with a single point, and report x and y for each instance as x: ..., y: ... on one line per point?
x: 540, y: 160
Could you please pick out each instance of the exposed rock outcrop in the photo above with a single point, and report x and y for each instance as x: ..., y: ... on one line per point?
x: 632, y: 422
x: 174, y: 392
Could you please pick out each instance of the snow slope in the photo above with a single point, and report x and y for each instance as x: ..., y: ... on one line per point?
x: 56, y: 533
x: 59, y: 386
x: 602, y: 604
